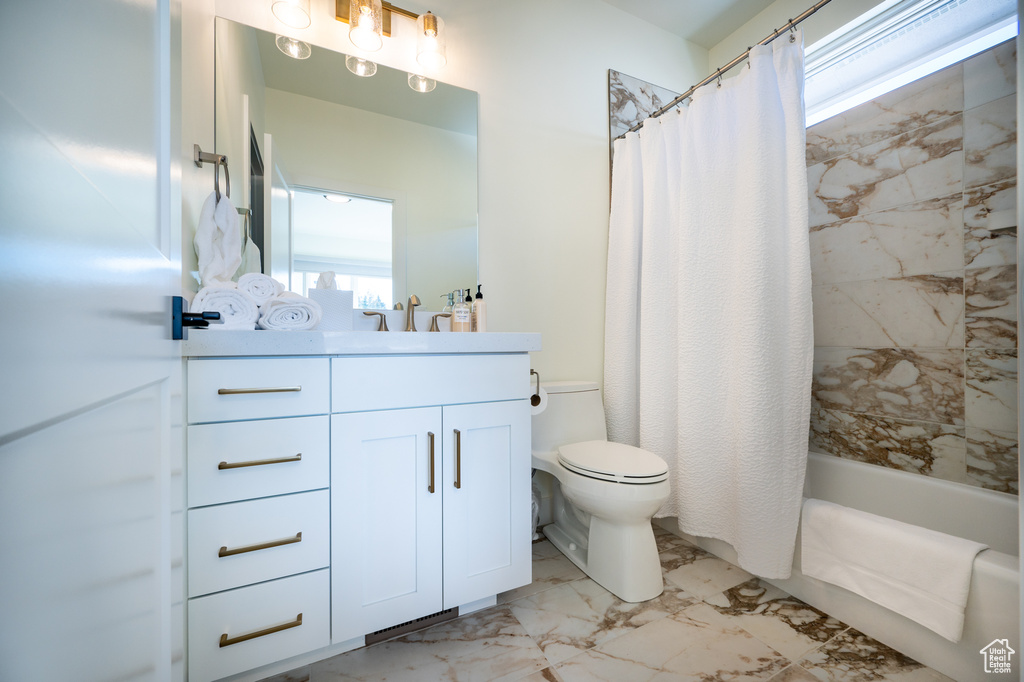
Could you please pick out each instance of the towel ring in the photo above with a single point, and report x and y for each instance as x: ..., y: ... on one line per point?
x: 246, y: 214
x: 200, y: 157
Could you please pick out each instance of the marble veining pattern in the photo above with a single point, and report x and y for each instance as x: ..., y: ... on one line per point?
x: 926, y: 385
x: 925, y: 101
x: 990, y: 142
x: 750, y: 631
x: 631, y: 100
x: 550, y: 569
x: 918, y: 165
x: 990, y: 224
x: 697, y: 572
x: 855, y: 657
x: 919, y: 311
x: 991, y: 395
x: 781, y: 621
x: 990, y: 296
x: 912, y: 239
x: 992, y: 460
x: 990, y: 75
x: 937, y: 450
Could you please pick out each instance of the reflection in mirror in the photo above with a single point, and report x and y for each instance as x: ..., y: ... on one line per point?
x: 320, y: 130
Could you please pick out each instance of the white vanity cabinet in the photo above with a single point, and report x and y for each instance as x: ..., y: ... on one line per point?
x: 336, y: 489
x: 429, y: 505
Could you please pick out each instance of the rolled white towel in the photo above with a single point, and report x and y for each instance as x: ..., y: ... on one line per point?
x: 260, y: 287
x: 290, y: 312
x: 238, y: 310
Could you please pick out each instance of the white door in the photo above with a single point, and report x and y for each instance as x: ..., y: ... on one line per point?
x: 487, y: 514
x: 88, y: 261
x: 385, y: 519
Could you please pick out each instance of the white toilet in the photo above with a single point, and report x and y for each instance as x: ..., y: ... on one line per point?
x: 605, y: 493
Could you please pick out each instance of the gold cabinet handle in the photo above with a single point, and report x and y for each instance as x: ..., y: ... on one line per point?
x: 458, y: 458
x: 430, y: 440
x: 228, y: 641
x: 224, y: 551
x: 276, y: 389
x: 259, y: 462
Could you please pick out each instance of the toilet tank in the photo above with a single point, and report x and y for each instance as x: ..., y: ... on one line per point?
x: 574, y: 414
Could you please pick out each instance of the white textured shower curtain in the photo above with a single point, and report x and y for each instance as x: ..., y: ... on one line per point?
x: 708, y: 341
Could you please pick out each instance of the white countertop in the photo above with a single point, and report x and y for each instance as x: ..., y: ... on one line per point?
x: 215, y: 343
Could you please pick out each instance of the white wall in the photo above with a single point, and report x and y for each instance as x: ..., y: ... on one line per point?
x: 541, y: 72
x: 433, y: 170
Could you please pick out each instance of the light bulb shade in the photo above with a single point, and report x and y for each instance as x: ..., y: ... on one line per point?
x: 421, y: 83
x: 296, y: 49
x: 430, y: 42
x: 366, y: 24
x: 360, y: 66
x: 294, y: 13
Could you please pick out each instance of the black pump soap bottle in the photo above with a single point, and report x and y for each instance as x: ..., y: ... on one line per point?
x: 479, y: 311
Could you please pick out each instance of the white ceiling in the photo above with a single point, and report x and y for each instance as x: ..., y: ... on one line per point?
x: 703, y: 22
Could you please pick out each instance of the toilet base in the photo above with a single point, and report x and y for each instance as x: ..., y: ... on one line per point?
x: 622, y: 558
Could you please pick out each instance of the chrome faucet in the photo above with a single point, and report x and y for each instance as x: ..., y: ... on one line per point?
x: 410, y: 316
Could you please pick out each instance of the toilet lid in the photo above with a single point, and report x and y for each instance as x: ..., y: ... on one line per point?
x: 613, y: 462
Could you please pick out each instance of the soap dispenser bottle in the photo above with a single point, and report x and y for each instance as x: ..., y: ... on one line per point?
x: 451, y: 302
x: 479, y: 311
x: 461, y: 314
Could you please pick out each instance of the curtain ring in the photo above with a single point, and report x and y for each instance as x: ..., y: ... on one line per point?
x: 719, y: 76
x: 792, y: 31
x: 749, y: 48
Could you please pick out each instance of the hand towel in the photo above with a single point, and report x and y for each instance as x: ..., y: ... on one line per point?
x: 260, y: 287
x: 918, y: 573
x: 217, y: 242
x: 290, y: 312
x: 250, y: 259
x: 238, y: 310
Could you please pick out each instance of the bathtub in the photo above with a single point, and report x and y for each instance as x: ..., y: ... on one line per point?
x: 980, y: 515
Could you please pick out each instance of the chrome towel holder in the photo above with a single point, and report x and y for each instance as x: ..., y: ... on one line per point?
x: 200, y: 157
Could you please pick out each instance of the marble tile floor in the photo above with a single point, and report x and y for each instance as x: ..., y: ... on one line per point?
x: 713, y: 623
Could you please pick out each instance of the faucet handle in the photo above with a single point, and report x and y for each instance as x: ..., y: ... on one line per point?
x: 383, y: 326
x: 433, y: 322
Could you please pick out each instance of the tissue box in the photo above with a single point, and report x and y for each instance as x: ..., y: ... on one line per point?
x: 337, y: 306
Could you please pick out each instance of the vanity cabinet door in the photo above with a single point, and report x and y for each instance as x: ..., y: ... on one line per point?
x: 385, y: 520
x: 486, y: 500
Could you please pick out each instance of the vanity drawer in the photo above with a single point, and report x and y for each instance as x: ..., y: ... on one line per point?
x: 376, y: 383
x: 254, y: 610
x: 243, y: 460
x: 229, y: 390
x: 296, y: 526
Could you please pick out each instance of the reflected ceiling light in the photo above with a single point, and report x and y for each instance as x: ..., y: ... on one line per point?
x: 421, y: 83
x: 366, y: 24
x: 296, y: 49
x: 430, y: 42
x: 369, y: 20
x: 337, y: 198
x: 294, y: 13
x: 360, y: 66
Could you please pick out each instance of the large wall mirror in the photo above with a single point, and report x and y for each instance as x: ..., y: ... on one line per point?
x: 362, y: 176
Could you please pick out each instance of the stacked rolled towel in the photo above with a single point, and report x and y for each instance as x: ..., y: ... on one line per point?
x: 260, y: 287
x: 290, y: 312
x: 238, y: 310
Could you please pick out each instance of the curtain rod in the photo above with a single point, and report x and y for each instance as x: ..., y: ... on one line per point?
x: 736, y: 60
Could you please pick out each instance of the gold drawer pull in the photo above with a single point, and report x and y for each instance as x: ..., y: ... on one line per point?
x: 224, y: 551
x: 278, y: 389
x: 228, y: 641
x: 259, y: 462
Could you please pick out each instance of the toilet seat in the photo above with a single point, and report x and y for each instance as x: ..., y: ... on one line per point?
x: 613, y: 462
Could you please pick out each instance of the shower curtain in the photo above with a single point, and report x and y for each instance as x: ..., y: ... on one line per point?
x: 708, y: 340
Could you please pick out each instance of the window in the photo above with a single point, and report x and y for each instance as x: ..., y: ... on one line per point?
x: 898, y: 42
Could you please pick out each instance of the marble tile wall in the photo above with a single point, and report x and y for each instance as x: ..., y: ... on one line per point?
x: 913, y: 233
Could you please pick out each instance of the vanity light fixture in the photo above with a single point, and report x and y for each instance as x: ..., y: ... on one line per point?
x: 296, y: 49
x: 421, y: 83
x: 360, y: 66
x: 430, y: 36
x: 294, y: 13
x: 338, y: 198
x: 366, y: 24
